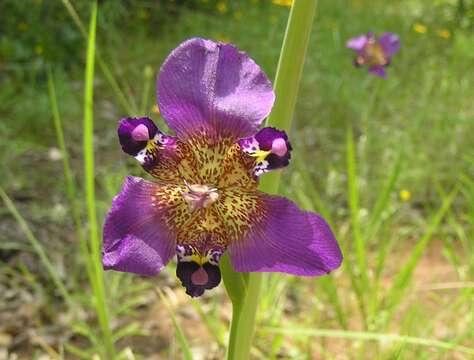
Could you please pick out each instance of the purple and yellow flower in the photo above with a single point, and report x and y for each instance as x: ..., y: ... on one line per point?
x: 374, y: 52
x: 205, y: 198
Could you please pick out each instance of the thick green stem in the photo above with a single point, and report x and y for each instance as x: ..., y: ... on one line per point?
x: 290, y: 68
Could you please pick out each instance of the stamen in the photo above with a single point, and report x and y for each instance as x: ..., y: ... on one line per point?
x: 199, y: 196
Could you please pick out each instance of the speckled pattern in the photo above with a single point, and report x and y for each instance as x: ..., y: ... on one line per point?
x: 220, y: 165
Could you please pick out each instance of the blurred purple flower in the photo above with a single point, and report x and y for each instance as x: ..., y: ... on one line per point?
x: 205, y: 199
x: 374, y: 52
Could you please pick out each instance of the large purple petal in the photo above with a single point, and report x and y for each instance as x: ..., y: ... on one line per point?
x: 287, y: 240
x: 136, y: 238
x: 390, y: 43
x: 357, y: 43
x: 213, y: 87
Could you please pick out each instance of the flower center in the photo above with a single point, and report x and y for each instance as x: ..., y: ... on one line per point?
x: 200, y: 196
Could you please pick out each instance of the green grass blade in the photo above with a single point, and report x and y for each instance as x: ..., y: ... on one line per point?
x: 383, y: 199
x: 353, y: 193
x: 70, y: 185
x: 403, y: 277
x: 38, y: 248
x: 127, y: 106
x: 371, y: 336
x: 89, y: 174
x: 183, y: 342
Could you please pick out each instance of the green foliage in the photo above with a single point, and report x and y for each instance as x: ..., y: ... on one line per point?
x: 359, y: 143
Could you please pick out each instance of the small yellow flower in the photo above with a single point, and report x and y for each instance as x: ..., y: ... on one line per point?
x: 22, y: 26
x: 444, y: 33
x: 283, y: 2
x: 238, y: 15
x: 155, y: 109
x: 405, y: 195
x: 144, y: 14
x: 222, y: 7
x: 38, y: 49
x: 420, y: 28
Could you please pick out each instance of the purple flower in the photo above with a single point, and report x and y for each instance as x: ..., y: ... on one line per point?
x: 205, y: 198
x: 373, y: 52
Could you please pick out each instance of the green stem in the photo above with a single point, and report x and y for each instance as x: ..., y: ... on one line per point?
x: 88, y: 143
x: 289, y: 70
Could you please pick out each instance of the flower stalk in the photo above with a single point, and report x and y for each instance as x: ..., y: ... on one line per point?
x: 287, y: 80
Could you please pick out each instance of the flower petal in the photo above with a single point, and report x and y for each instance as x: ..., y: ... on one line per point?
x: 390, y: 43
x: 357, y: 43
x: 378, y: 70
x: 198, y: 273
x: 286, y: 239
x: 213, y: 87
x: 139, y: 235
x: 269, y: 147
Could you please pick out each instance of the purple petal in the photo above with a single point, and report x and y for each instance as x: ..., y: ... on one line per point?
x: 357, y: 43
x: 134, y: 134
x: 213, y: 87
x: 390, y: 43
x: 270, y: 147
x: 136, y: 238
x: 287, y: 240
x: 378, y: 70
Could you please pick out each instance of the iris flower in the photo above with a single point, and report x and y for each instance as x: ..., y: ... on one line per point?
x: 374, y: 52
x: 204, y: 199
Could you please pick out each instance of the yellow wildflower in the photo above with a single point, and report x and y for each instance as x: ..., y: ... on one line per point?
x: 238, y: 15
x: 22, y: 26
x: 155, y: 109
x: 222, y: 7
x: 444, y: 33
x: 405, y: 195
x: 283, y: 2
x: 420, y: 28
x: 38, y: 49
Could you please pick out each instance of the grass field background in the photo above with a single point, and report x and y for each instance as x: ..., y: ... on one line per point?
x: 389, y: 163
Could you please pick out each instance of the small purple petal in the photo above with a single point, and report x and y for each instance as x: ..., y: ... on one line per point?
x: 268, y: 140
x: 196, y: 279
x: 390, y: 43
x: 357, y: 43
x: 136, y: 238
x: 287, y: 240
x: 378, y: 70
x: 213, y: 87
x: 131, y: 140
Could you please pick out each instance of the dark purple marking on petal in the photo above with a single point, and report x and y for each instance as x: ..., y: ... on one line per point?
x: 287, y: 240
x: 270, y: 147
x: 141, y: 138
x: 198, y: 272
x: 378, y: 70
x: 192, y: 277
x: 132, y: 141
x: 136, y: 238
x: 215, y: 88
x: 390, y: 43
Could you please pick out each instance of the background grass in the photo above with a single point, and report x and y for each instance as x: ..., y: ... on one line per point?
x: 388, y: 163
